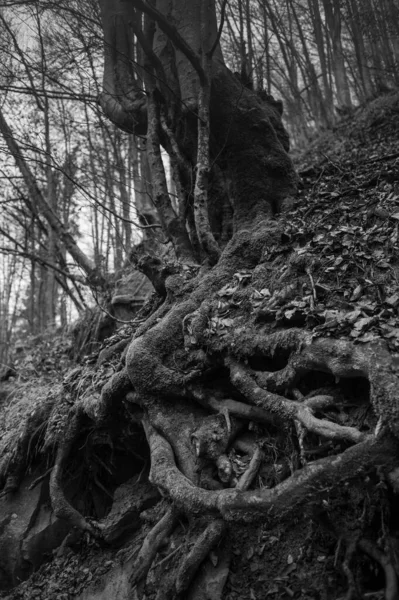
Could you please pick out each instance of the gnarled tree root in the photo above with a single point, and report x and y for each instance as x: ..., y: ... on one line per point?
x: 236, y: 409
x: 62, y: 508
x: 291, y: 409
x: 277, y: 502
x: 213, y: 533
x: 249, y: 475
x: 340, y: 358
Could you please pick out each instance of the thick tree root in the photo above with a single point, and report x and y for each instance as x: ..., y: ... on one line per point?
x: 277, y: 502
x: 189, y: 427
x: 145, y: 359
x: 177, y: 431
x: 151, y: 545
x: 237, y: 409
x: 339, y: 357
x: 62, y: 508
x: 203, y: 545
x: 113, y: 392
x: 290, y: 409
x: 213, y: 532
x: 110, y: 351
x: 249, y: 475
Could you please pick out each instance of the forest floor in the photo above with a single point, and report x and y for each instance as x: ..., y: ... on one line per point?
x: 345, y: 224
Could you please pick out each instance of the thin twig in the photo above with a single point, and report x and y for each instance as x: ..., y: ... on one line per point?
x: 175, y: 551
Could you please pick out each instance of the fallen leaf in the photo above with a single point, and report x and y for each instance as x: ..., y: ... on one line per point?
x: 357, y: 292
x: 393, y: 300
x: 363, y: 323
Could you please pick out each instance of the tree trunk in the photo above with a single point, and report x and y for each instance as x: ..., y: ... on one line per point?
x: 43, y: 207
x: 321, y: 49
x: 360, y: 50
x: 334, y: 25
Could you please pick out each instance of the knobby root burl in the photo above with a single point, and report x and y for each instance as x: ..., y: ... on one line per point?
x: 202, y: 401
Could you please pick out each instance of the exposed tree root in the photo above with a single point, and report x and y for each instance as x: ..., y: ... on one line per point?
x: 151, y: 545
x: 146, y: 357
x: 177, y: 431
x: 107, y: 353
x: 62, y: 508
x: 191, y: 428
x: 202, y: 546
x: 113, y: 392
x: 339, y: 357
x: 276, y: 502
x: 237, y: 409
x: 213, y: 532
x: 289, y: 408
x: 246, y: 478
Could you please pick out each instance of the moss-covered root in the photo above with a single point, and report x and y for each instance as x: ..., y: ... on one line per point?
x: 213, y: 533
x: 284, y: 498
x: 340, y: 358
x: 289, y: 409
x: 112, y: 394
x: 59, y: 503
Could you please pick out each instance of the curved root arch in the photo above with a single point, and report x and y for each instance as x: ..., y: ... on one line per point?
x: 197, y: 405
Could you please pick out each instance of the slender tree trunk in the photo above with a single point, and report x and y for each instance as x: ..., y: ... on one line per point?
x: 37, y: 198
x: 360, y: 50
x: 267, y: 45
x: 332, y: 10
x: 124, y: 196
x: 314, y: 10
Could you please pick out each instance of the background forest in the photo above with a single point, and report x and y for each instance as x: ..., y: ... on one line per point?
x: 69, y: 176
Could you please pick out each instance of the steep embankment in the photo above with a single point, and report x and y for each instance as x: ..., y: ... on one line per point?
x: 335, y: 274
